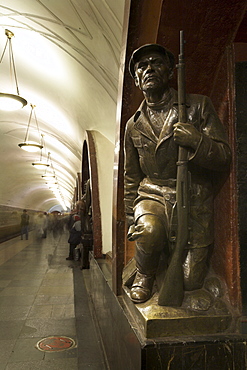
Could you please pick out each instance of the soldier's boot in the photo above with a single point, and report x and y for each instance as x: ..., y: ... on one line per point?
x: 150, y: 232
x: 142, y: 286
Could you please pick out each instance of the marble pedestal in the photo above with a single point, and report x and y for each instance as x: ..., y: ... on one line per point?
x: 157, y: 321
x: 126, y: 346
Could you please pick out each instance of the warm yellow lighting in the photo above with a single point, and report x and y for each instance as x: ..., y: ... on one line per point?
x: 52, y: 185
x: 49, y: 179
x: 11, y: 102
x: 30, y: 146
x: 56, y: 193
x: 40, y: 165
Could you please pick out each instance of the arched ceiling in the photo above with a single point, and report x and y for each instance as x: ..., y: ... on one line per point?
x: 67, y: 61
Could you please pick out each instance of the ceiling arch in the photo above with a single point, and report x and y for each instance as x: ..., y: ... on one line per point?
x: 67, y: 60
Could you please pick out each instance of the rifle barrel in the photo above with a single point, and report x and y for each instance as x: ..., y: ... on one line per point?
x: 172, y: 289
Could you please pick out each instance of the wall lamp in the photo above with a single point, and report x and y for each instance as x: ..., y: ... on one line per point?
x: 31, y: 146
x: 11, y: 102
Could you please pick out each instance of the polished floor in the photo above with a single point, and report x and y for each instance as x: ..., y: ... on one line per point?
x: 43, y: 295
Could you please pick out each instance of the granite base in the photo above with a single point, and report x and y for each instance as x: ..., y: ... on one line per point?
x: 127, y: 348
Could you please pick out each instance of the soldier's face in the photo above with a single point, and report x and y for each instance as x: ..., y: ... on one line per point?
x: 152, y: 72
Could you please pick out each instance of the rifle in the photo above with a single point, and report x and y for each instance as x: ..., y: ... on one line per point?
x: 172, y: 289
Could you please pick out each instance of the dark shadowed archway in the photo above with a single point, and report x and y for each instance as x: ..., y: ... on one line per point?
x: 90, y: 171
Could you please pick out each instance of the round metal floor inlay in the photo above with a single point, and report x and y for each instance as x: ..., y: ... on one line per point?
x: 55, y: 344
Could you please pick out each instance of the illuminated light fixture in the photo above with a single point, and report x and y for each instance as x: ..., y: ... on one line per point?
x: 11, y: 102
x: 53, y: 186
x: 50, y: 175
x: 49, y: 178
x: 56, y: 193
x: 31, y: 146
x: 41, y: 165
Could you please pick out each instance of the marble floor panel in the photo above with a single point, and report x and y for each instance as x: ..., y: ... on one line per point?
x: 43, y: 295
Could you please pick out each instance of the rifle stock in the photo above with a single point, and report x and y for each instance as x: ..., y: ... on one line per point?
x: 172, y: 289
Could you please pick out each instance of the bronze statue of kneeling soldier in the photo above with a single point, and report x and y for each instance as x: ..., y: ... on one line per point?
x: 153, y: 137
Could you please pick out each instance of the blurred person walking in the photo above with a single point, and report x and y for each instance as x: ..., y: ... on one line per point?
x: 75, y: 236
x: 45, y: 224
x: 24, y: 224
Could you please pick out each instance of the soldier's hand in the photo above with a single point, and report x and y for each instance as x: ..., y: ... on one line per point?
x: 130, y: 232
x: 135, y: 232
x: 187, y: 135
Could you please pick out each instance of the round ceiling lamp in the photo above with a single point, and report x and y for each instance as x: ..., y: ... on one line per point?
x: 11, y: 102
x: 49, y: 179
x: 31, y: 146
x: 41, y: 165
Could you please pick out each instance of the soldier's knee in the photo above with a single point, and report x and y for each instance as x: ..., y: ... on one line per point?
x: 153, y: 235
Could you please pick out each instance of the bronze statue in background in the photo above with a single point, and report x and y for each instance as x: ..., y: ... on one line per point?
x: 152, y: 138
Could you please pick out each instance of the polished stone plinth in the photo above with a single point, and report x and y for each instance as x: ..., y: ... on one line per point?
x: 156, y: 321
x: 204, y: 311
x: 126, y: 347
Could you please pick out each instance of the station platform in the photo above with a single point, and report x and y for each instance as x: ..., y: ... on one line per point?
x: 46, y: 314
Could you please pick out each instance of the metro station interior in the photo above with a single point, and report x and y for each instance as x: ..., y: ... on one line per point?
x: 67, y: 63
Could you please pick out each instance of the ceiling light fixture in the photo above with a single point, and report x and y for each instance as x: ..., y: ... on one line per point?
x: 52, y: 183
x: 49, y: 178
x: 53, y: 186
x: 49, y: 174
x: 42, y: 165
x: 31, y: 146
x: 11, y: 102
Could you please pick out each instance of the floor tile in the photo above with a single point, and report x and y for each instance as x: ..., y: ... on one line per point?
x: 58, y: 275
x: 11, y: 329
x: 4, y: 283
x: 14, y: 312
x: 18, y: 301
x: 91, y: 366
x: 41, y: 311
x: 46, y: 299
x: 57, y: 282
x: 25, y: 350
x: 29, y: 276
x: 48, y: 327
x: 8, y: 275
x: 70, y: 353
x: 27, y: 283
x: 54, y: 290
x: 60, y: 311
x: 19, y: 291
x: 36, y: 301
x: 60, y: 364
x: 6, y: 346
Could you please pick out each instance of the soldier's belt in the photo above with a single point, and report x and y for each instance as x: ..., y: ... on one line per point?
x: 170, y: 183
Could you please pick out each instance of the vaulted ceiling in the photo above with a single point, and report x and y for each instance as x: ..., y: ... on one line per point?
x: 66, y: 55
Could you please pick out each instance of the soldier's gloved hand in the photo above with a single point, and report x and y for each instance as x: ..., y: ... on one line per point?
x: 130, y: 232
x: 135, y: 231
x: 186, y: 134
